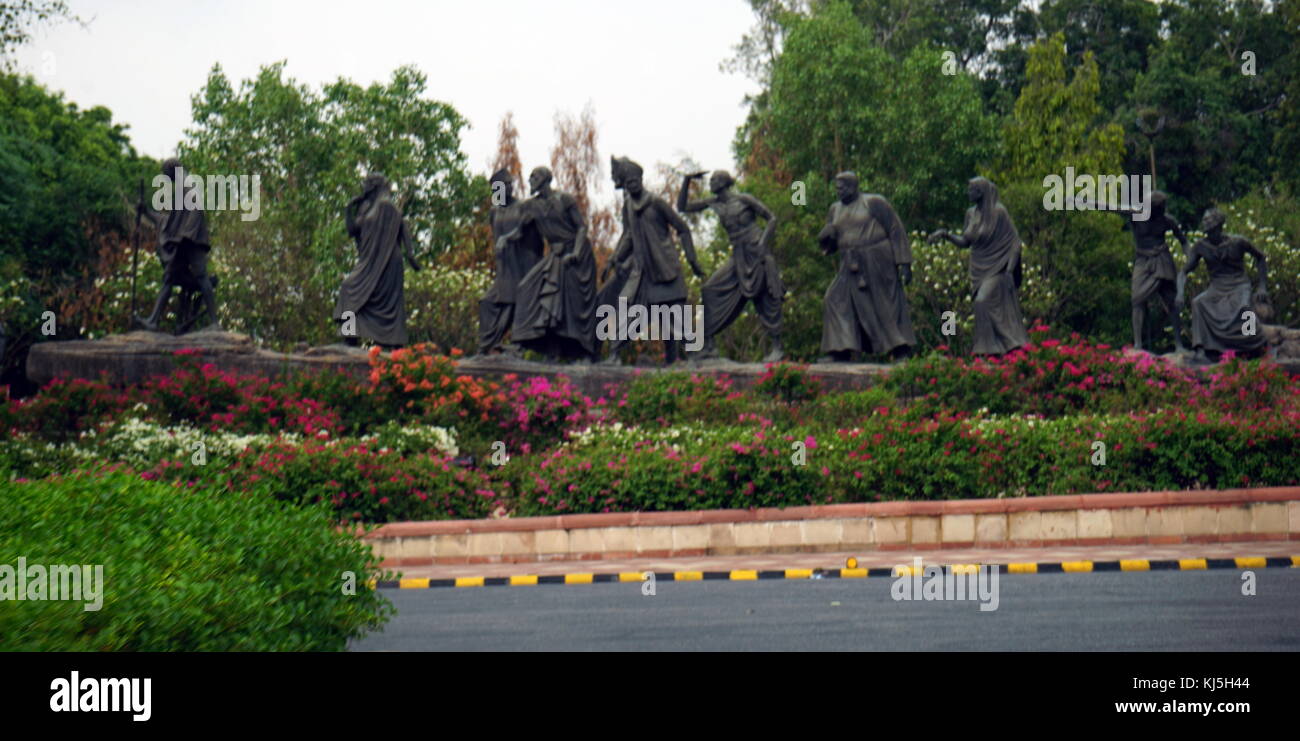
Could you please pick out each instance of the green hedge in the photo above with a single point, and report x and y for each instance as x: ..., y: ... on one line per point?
x: 184, y: 569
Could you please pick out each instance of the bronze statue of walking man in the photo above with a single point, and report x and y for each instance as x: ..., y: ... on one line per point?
x: 518, y: 247
x: 750, y: 274
x: 1153, y: 265
x: 555, y: 307
x: 183, y: 248
x: 866, y: 308
x: 647, y: 271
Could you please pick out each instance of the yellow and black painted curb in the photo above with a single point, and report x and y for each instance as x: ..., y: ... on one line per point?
x: 1033, y: 567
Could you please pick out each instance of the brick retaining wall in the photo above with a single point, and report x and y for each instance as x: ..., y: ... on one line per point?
x: 1092, y: 519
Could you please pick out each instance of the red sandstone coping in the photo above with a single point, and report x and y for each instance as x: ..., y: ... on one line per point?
x: 1218, y: 498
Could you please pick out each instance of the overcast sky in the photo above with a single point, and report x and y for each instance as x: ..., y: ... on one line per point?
x: 650, y: 69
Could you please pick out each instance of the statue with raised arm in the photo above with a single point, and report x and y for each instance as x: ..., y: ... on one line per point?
x: 372, y: 299
x: 518, y: 248
x: 1219, y: 314
x: 555, y: 308
x: 645, y: 266
x: 750, y: 274
x: 865, y: 308
x: 1153, y: 265
x: 183, y: 248
x: 995, y: 270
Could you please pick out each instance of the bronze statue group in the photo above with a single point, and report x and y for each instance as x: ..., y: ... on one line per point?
x: 545, y: 294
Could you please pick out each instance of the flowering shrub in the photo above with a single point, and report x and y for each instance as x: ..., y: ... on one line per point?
x: 538, y: 411
x: 950, y: 457
x: 1052, y: 377
x: 420, y: 382
x: 442, y: 304
x: 407, y: 439
x: 666, y: 398
x: 63, y: 409
x: 938, y: 427
x: 667, y: 472
x: 201, y: 393
x: 788, y: 382
x: 362, y: 482
x: 143, y: 444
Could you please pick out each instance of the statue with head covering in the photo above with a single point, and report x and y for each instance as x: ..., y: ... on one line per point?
x: 372, y: 301
x: 1219, y: 314
x: 750, y: 274
x: 645, y: 267
x: 866, y: 308
x: 517, y: 246
x: 995, y: 270
x: 555, y: 304
x: 183, y: 248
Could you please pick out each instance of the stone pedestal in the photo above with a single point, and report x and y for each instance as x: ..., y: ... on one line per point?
x: 135, y: 357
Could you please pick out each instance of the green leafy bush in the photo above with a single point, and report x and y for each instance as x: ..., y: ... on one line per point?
x: 788, y: 382
x: 673, y: 397
x: 185, y: 569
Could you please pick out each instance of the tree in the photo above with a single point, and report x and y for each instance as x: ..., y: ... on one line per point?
x: 840, y: 102
x: 1286, y: 118
x: 507, y: 157
x: 311, y: 149
x: 1221, y: 121
x: 576, y: 165
x: 63, y: 174
x: 1118, y: 33
x: 1059, y: 123
x: 17, y: 17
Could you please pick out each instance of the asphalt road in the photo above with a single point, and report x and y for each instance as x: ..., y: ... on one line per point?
x: 1159, y: 610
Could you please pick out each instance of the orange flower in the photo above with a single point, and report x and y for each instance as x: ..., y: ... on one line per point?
x: 456, y: 352
x: 374, y: 351
x: 409, y: 387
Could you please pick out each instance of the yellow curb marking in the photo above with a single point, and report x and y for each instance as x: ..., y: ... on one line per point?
x: 1132, y: 564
